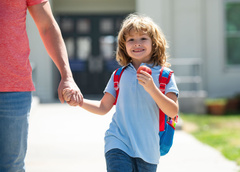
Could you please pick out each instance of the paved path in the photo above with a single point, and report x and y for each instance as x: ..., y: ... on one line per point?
x: 69, y: 139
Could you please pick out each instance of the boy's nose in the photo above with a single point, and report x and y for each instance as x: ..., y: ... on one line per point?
x: 137, y: 43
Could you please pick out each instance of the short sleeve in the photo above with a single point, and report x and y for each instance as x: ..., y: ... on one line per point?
x: 172, y: 86
x: 35, y: 2
x: 110, y: 86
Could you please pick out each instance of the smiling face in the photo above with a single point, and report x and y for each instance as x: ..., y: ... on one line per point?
x: 139, y: 47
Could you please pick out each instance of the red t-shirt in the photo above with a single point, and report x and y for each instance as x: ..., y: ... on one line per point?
x: 15, y: 69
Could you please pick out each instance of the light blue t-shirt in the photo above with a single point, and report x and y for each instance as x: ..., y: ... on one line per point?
x: 135, y: 124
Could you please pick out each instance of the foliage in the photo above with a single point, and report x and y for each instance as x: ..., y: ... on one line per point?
x: 221, y: 101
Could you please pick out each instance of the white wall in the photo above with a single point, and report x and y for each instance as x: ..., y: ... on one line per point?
x: 221, y: 79
x: 93, y: 6
x: 152, y: 8
x: 181, y: 22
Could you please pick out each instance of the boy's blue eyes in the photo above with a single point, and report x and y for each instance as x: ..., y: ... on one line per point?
x: 133, y: 39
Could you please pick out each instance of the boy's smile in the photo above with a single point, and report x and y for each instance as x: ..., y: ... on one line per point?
x: 138, y: 50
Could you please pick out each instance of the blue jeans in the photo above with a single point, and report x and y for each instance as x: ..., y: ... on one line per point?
x: 118, y: 161
x: 14, y: 113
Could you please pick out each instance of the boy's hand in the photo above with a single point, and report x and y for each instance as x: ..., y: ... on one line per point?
x: 146, y: 80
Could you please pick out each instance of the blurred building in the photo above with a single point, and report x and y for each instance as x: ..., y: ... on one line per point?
x: 203, y: 35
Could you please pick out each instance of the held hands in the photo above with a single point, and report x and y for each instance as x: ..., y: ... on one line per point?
x: 146, y: 80
x: 67, y: 94
x: 76, y: 97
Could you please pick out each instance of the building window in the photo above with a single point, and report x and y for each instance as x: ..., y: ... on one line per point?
x: 106, y: 25
x: 107, y: 46
x: 69, y: 42
x: 83, y: 26
x: 233, y: 32
x: 90, y: 35
x: 84, y: 47
x: 67, y: 25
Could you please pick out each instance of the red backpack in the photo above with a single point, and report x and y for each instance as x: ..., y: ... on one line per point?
x: 166, y: 124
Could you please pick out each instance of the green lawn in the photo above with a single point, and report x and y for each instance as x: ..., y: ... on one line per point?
x: 220, y: 132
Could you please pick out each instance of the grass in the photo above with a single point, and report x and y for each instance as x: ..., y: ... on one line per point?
x: 220, y: 132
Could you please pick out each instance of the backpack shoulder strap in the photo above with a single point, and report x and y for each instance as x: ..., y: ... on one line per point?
x: 164, y: 78
x: 116, y: 80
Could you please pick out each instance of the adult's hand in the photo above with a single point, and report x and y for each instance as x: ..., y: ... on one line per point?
x: 76, y: 98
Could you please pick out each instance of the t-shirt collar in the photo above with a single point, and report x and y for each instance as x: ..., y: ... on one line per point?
x: 142, y: 64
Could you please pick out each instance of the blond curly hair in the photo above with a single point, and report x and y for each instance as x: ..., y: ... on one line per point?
x: 141, y: 23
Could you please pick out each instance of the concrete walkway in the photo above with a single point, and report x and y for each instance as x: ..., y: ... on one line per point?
x: 69, y: 139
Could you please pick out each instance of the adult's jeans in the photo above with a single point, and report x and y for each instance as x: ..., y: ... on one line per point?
x: 118, y: 161
x: 14, y: 113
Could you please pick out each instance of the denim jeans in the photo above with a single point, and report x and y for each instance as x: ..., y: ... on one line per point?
x: 14, y: 113
x: 118, y: 161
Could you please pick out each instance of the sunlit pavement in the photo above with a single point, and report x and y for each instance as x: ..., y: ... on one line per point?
x: 70, y: 139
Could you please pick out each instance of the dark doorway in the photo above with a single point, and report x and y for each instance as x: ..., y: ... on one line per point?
x: 91, y: 43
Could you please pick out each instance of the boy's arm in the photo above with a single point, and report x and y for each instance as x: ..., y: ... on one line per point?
x: 99, y: 107
x: 167, y: 103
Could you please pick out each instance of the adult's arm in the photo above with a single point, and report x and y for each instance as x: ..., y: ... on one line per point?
x: 55, y: 46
